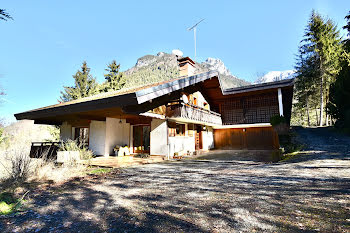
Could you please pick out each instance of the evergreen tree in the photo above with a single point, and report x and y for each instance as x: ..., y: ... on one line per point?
x: 319, y: 52
x: 4, y: 15
x: 114, y: 79
x: 339, y: 105
x: 305, y: 85
x: 85, y: 85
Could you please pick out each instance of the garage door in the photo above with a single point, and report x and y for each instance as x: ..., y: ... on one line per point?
x: 257, y: 138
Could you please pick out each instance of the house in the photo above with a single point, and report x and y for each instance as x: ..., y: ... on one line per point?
x: 182, y: 116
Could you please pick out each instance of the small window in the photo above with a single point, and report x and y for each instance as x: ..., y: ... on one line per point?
x: 195, y: 101
x: 81, y: 135
x: 176, y: 129
x: 180, y: 130
x: 190, y: 130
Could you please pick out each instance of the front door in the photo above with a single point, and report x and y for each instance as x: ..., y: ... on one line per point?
x: 141, y: 135
x: 199, y: 144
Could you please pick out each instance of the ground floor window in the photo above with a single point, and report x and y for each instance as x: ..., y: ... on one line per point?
x: 81, y: 135
x: 176, y: 129
x: 191, y: 130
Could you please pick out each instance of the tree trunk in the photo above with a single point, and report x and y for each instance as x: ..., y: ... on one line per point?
x: 321, y: 102
x: 316, y: 117
x: 307, y: 111
x: 327, y: 100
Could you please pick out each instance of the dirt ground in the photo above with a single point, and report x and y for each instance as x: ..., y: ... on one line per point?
x: 309, y: 194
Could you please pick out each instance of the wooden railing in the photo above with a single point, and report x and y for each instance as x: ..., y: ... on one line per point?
x: 48, y: 149
x: 194, y: 113
x: 44, y: 150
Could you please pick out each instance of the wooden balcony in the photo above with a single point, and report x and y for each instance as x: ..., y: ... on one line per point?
x: 193, y: 113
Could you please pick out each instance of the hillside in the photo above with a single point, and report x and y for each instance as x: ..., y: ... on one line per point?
x: 163, y: 66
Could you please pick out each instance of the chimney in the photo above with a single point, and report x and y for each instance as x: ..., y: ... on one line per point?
x: 187, y: 66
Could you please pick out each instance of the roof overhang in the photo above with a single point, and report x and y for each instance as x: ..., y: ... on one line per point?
x: 148, y: 94
x: 259, y: 87
x: 56, y: 113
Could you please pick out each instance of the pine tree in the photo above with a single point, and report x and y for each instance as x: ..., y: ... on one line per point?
x: 339, y: 104
x: 114, y: 79
x: 320, y: 49
x: 85, y: 85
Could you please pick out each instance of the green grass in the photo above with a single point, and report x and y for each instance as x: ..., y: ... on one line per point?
x: 97, y: 171
x: 8, y: 203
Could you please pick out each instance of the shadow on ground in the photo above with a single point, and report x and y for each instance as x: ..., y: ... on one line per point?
x: 193, y: 196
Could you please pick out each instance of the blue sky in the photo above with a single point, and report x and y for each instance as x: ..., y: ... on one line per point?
x: 47, y: 41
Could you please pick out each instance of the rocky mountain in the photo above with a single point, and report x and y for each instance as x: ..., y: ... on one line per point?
x: 276, y: 76
x: 227, y: 79
x: 163, y: 66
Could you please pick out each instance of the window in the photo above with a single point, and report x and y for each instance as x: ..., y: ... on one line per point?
x: 176, y: 129
x: 195, y: 101
x: 190, y: 130
x: 81, y: 135
x: 206, y: 105
x: 180, y: 129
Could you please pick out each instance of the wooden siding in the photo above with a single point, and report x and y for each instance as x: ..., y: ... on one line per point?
x: 257, y: 138
x: 249, y: 109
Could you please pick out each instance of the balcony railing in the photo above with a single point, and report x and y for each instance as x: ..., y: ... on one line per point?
x: 194, y: 113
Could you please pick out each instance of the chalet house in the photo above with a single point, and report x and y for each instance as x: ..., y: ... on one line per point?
x: 182, y: 116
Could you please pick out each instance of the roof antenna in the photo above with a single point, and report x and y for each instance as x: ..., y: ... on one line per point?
x: 194, y: 28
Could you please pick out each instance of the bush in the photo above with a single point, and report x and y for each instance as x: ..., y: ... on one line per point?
x: 86, y: 154
x: 18, y: 164
x: 69, y: 145
x: 8, y: 203
x: 277, y: 120
x: 72, y: 145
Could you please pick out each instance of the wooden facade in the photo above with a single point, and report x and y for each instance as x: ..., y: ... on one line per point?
x: 249, y: 109
x: 256, y: 138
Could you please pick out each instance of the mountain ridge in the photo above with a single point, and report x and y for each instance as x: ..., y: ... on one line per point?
x: 163, y: 67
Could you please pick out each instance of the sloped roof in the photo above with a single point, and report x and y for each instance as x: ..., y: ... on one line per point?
x: 258, y: 87
x: 120, y: 98
x: 139, y: 95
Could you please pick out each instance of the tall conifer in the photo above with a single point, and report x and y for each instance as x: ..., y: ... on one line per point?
x: 85, y: 85
x: 114, y: 79
x: 319, y: 53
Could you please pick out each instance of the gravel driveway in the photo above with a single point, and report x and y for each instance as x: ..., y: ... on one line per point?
x: 191, y: 196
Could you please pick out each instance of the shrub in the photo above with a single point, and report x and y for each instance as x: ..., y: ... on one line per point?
x: 72, y: 145
x: 86, y: 154
x: 8, y: 203
x: 277, y: 120
x: 69, y: 145
x: 19, y: 164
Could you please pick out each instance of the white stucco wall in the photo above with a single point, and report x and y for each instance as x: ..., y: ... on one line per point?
x: 208, y: 138
x: 181, y: 143
x: 65, y: 131
x: 159, y: 134
x: 97, y: 137
x: 116, y: 134
x: 200, y: 99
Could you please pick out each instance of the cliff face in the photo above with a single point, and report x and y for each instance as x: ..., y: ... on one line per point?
x: 163, y: 66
